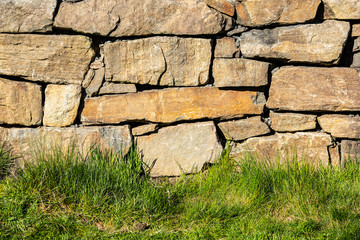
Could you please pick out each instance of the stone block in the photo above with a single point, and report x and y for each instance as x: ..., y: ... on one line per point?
x: 341, y: 9
x: 144, y: 129
x: 226, y: 48
x: 350, y: 151
x: 117, y: 88
x: 340, y: 126
x: 292, y: 122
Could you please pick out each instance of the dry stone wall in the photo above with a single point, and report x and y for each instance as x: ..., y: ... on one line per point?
x: 180, y: 78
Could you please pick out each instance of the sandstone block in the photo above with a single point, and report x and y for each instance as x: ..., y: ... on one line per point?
x: 144, y: 129
x: 19, y: 16
x: 172, y: 105
x: 45, y: 58
x: 312, y: 147
x: 61, y: 104
x: 313, y: 43
x: 356, y: 60
x: 239, y: 72
x: 292, y: 122
x: 224, y: 6
x: 341, y: 9
x: 356, y: 47
x: 226, y: 48
x: 355, y: 30
x: 170, y: 61
x: 255, y: 13
x: 116, y: 88
x: 315, y: 89
x: 20, y: 103
x: 118, y: 18
x: 350, y: 151
x: 180, y: 149
x: 96, y: 82
x: 340, y: 126
x: 244, y: 128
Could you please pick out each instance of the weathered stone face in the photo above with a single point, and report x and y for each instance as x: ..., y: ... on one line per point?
x: 315, y: 89
x: 356, y: 60
x: 350, y: 151
x: 61, y: 104
x: 239, y: 72
x: 172, y: 105
x: 244, y: 128
x: 180, y: 149
x: 292, y: 122
x: 313, y: 43
x: 170, y: 61
x: 117, y: 88
x: 19, y: 16
x: 226, y: 48
x: 355, y: 30
x: 96, y: 81
x: 340, y: 126
x: 341, y: 9
x: 256, y: 13
x: 118, y: 18
x: 224, y: 6
x: 144, y: 129
x: 20, y: 103
x: 311, y: 147
x: 45, y: 58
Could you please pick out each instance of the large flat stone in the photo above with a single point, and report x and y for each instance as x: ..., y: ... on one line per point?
x: 244, y: 128
x: 350, y: 151
x: 239, y: 72
x: 45, y: 58
x: 119, y: 18
x: 313, y: 43
x: 315, y: 89
x: 255, y: 13
x: 61, y: 104
x: 180, y: 149
x: 311, y: 147
x: 20, y: 103
x: 340, y: 126
x: 170, y: 61
x: 172, y: 105
x: 19, y: 16
x: 292, y: 122
x: 342, y: 9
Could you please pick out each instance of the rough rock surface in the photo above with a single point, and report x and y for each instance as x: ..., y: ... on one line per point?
x: 355, y: 30
x: 118, y: 18
x: 116, y: 88
x: 244, y: 128
x: 170, y: 61
x: 224, y: 6
x: 350, y: 150
x: 292, y: 122
x: 20, y: 103
x: 312, y: 147
x: 180, y: 149
x: 19, y: 16
x: 96, y: 81
x: 61, y: 104
x: 315, y: 89
x: 144, y: 129
x: 313, y: 43
x: 237, y: 72
x: 254, y: 13
x: 45, y: 58
x: 340, y: 126
x: 172, y: 105
x: 226, y: 48
x: 356, y: 60
x: 341, y: 9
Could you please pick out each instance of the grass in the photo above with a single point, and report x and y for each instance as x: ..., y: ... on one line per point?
x: 109, y: 196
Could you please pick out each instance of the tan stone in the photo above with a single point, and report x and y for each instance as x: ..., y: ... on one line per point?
x: 237, y: 72
x: 61, y: 104
x: 180, y: 149
x: 315, y: 89
x: 172, y: 105
x: 355, y: 30
x: 314, y: 43
x: 20, y: 103
x: 116, y: 88
x: 356, y: 47
x: 255, y: 13
x: 340, y: 126
x: 45, y: 58
x: 27, y: 143
x: 342, y: 9
x: 226, y: 48
x: 96, y: 82
x: 356, y: 60
x: 244, y: 128
x: 118, y: 18
x: 237, y: 30
x: 223, y: 6
x: 170, y: 61
x: 350, y: 151
x: 309, y: 147
x: 19, y: 16
x: 292, y: 122
x: 144, y: 129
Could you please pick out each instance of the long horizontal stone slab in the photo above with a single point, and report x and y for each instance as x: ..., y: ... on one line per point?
x: 315, y: 89
x: 172, y: 105
x: 45, y: 58
x: 180, y: 149
x: 340, y: 126
x: 118, y: 18
x: 342, y: 9
x: 311, y: 43
x: 307, y: 146
x: 20, y: 103
x: 292, y: 122
x: 169, y: 61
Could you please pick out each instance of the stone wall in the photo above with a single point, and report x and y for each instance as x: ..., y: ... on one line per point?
x: 180, y: 77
